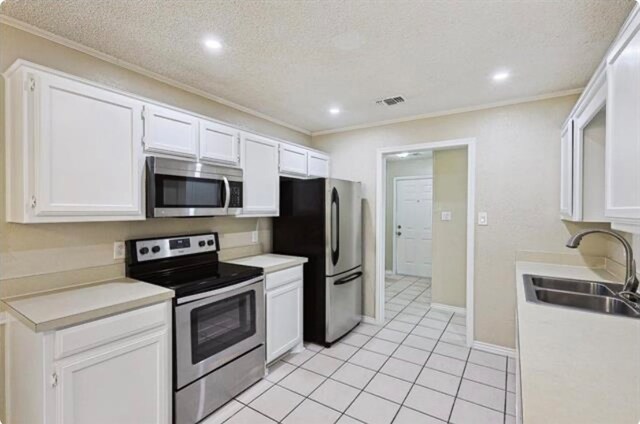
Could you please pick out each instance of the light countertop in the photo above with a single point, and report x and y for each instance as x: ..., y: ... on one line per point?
x: 56, y: 309
x: 576, y: 366
x: 271, y: 262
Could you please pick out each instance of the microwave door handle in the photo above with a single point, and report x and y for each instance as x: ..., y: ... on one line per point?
x: 227, y: 197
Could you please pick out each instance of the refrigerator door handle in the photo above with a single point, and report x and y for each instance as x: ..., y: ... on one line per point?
x: 348, y: 278
x: 335, y: 227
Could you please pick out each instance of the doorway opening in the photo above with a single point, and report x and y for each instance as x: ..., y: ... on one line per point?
x: 425, y: 233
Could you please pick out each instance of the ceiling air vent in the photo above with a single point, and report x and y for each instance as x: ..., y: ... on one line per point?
x: 390, y: 101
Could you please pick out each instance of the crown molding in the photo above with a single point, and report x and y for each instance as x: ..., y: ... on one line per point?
x: 15, y: 23
x: 452, y: 111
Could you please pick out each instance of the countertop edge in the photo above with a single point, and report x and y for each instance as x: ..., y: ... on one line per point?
x: 292, y: 262
x: 87, y: 316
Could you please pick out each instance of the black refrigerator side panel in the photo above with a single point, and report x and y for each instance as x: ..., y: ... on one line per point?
x: 300, y: 231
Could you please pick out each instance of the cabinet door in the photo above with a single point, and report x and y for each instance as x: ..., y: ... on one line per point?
x: 318, y: 165
x: 87, y: 152
x: 219, y: 144
x: 284, y: 319
x: 170, y: 132
x: 127, y: 383
x: 566, y: 171
x: 293, y: 160
x: 622, y: 151
x: 261, y: 182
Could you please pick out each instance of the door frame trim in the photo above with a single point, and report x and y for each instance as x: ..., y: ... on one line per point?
x: 380, y: 219
x: 395, y: 212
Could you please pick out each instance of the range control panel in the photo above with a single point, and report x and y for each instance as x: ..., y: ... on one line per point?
x: 151, y: 249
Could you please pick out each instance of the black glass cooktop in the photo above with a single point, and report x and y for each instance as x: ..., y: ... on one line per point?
x: 193, y: 275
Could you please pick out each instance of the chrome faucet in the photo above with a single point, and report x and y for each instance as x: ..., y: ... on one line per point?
x: 631, y: 280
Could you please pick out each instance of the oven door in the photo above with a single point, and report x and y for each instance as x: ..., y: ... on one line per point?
x: 216, y: 327
x: 179, y: 189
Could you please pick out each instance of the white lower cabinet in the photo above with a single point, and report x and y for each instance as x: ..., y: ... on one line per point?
x: 284, y: 312
x: 120, y: 377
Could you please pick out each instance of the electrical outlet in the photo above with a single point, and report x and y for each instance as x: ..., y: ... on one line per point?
x: 483, y: 219
x: 254, y: 236
x: 118, y: 250
x: 445, y: 216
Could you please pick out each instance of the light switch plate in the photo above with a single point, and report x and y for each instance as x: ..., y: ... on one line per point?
x: 445, y: 216
x: 254, y: 236
x: 118, y: 250
x: 483, y: 219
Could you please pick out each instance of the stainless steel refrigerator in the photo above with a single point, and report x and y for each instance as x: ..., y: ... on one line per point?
x: 321, y: 219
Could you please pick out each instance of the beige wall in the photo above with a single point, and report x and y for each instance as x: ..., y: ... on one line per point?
x: 37, y: 257
x: 449, y: 278
x: 400, y: 168
x: 517, y: 184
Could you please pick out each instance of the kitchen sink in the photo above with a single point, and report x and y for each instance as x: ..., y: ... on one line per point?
x: 590, y: 296
x: 602, y: 304
x: 577, y: 286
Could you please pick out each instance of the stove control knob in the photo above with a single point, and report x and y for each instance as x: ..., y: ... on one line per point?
x: 201, y: 243
x: 144, y: 250
x: 210, y: 242
x: 155, y: 249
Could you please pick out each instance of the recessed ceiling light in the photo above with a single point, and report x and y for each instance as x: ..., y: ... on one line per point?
x: 403, y: 155
x: 501, y: 76
x: 212, y: 44
x: 334, y: 110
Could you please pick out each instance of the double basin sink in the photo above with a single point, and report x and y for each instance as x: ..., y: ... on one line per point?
x: 586, y: 295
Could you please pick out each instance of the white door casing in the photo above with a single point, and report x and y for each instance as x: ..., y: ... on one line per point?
x: 413, y: 225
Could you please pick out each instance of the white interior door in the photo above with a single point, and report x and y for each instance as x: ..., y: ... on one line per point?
x: 413, y: 228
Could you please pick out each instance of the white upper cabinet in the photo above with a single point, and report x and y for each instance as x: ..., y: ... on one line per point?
x: 219, y: 144
x: 587, y: 156
x: 170, y: 132
x: 622, y: 182
x: 566, y: 171
x: 73, y: 150
x: 293, y: 160
x: 261, y: 182
x: 318, y: 165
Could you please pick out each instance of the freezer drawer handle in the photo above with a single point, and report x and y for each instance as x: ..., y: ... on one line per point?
x: 348, y: 278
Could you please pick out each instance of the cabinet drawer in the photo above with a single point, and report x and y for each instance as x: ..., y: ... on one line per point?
x: 82, y: 337
x: 286, y: 276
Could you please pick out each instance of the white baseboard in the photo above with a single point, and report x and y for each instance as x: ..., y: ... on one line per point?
x: 371, y: 320
x: 491, y: 348
x: 449, y: 308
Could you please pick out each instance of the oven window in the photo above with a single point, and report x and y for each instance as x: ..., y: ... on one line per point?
x: 187, y: 192
x: 219, y: 325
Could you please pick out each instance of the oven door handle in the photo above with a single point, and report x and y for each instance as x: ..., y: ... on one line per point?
x: 223, y: 290
x: 227, y: 197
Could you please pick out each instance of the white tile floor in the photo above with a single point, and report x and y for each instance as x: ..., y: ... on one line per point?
x: 415, y: 369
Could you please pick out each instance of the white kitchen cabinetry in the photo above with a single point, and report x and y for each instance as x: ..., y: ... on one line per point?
x: 622, y: 182
x: 167, y: 131
x: 284, y: 312
x: 318, y: 165
x: 73, y: 150
x: 566, y: 171
x: 261, y: 182
x: 115, y: 369
x: 219, y: 144
x: 583, y: 155
x: 293, y: 160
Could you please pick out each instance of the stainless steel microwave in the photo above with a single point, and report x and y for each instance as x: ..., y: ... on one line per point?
x: 176, y: 188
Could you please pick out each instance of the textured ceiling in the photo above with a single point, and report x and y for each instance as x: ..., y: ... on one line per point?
x: 292, y: 60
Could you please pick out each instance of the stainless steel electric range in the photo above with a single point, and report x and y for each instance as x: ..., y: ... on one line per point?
x: 218, y: 319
